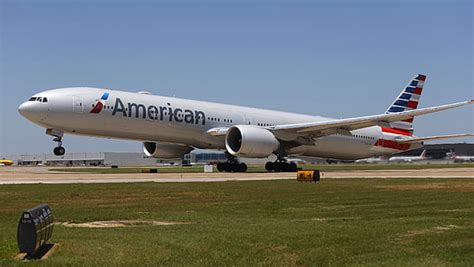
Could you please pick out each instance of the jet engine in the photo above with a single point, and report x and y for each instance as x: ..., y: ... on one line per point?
x: 250, y: 141
x: 165, y: 150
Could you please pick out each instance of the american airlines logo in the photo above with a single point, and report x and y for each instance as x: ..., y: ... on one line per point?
x: 99, y: 105
x: 166, y: 113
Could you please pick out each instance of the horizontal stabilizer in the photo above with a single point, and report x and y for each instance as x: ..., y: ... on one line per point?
x: 431, y: 138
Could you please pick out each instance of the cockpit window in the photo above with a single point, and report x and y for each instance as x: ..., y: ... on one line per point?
x: 39, y: 99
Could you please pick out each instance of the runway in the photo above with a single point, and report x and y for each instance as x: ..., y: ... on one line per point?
x: 41, y: 175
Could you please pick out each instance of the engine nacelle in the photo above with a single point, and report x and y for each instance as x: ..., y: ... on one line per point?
x: 165, y: 150
x: 250, y: 141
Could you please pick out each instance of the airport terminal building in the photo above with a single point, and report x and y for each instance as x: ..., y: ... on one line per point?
x: 84, y: 159
x: 438, y: 151
x: 110, y: 159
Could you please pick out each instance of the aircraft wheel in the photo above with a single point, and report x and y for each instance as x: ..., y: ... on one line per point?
x: 227, y: 167
x: 281, y: 167
x: 293, y: 167
x: 59, y: 151
x: 234, y: 167
x: 220, y: 167
x: 242, y: 167
x: 270, y: 166
x: 285, y: 167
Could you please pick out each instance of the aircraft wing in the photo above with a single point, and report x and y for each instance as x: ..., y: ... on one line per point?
x: 343, y: 126
x: 431, y: 138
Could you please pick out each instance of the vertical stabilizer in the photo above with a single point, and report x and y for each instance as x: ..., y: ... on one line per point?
x: 407, y: 100
x: 423, y: 154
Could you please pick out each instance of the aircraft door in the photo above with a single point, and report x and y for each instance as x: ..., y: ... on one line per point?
x: 246, y: 119
x: 77, y: 104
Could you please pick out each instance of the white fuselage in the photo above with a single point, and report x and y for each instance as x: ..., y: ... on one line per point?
x: 145, y: 117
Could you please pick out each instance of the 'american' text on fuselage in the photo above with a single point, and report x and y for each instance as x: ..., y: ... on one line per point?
x: 159, y: 113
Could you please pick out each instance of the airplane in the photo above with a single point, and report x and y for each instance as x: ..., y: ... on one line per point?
x: 6, y: 162
x: 452, y: 155
x: 172, y: 127
x: 422, y: 156
x: 373, y: 160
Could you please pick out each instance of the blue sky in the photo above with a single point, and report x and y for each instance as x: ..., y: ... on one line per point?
x: 332, y: 58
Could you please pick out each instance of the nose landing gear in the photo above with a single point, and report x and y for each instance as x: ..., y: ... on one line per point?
x: 59, y: 150
x: 58, y: 137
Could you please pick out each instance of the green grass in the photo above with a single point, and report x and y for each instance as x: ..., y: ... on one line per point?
x: 395, y: 222
x: 260, y: 168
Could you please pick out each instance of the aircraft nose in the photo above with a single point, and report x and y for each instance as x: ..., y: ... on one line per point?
x: 29, y: 111
x: 24, y: 110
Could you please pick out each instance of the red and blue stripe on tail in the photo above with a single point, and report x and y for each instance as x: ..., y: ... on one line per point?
x: 407, y: 100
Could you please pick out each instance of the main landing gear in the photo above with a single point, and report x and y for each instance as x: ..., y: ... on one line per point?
x: 281, y: 165
x: 231, y: 165
x: 58, y: 137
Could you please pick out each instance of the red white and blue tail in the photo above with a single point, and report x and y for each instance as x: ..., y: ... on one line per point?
x: 407, y: 100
